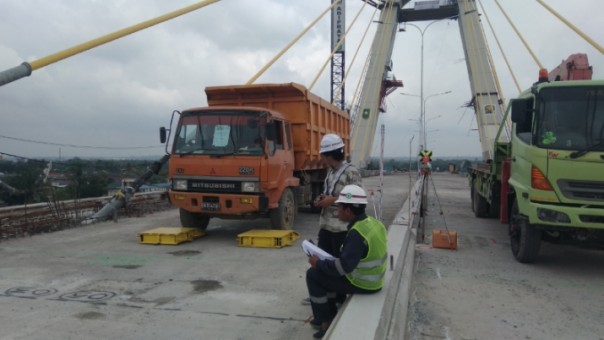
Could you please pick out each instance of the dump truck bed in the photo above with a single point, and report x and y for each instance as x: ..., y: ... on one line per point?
x: 311, y: 117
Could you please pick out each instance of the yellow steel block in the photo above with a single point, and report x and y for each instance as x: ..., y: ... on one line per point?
x: 169, y: 235
x: 262, y: 238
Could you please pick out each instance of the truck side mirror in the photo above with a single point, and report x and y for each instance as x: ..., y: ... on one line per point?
x: 162, y: 134
x: 520, y: 110
x: 522, y: 114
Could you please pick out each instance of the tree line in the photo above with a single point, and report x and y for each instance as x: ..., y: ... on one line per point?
x: 84, y: 178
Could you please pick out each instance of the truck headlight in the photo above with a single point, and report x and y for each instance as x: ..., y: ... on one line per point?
x: 552, y: 216
x: 249, y: 186
x: 179, y: 184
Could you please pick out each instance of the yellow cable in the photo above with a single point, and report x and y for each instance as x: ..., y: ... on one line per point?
x: 573, y: 27
x: 340, y: 42
x: 53, y: 58
x: 357, y: 52
x: 272, y: 61
x: 519, y: 35
x: 507, y: 63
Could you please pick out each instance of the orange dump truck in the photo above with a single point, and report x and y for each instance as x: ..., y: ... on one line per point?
x: 252, y: 152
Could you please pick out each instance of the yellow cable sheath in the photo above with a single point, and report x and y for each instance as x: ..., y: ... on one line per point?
x: 272, y: 61
x: 340, y: 42
x: 354, y: 57
x: 505, y: 58
x: 573, y: 27
x: 53, y: 58
x: 519, y: 35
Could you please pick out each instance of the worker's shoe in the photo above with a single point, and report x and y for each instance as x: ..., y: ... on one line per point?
x: 321, y: 333
x: 315, y: 324
x: 305, y: 301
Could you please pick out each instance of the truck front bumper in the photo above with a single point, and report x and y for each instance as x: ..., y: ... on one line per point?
x: 219, y: 204
x: 587, y: 216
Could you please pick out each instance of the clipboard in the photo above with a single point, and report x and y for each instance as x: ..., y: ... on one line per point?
x: 311, y: 249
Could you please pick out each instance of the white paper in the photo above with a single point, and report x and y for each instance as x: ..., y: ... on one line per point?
x: 310, y: 249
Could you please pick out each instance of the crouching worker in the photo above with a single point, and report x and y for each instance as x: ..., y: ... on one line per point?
x: 361, y: 266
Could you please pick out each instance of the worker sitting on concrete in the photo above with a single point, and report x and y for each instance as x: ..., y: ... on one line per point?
x: 360, y: 267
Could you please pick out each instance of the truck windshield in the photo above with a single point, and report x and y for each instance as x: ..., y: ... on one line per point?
x: 220, y: 133
x: 571, y: 118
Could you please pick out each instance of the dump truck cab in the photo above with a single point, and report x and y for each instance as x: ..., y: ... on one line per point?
x: 230, y: 161
x: 252, y: 152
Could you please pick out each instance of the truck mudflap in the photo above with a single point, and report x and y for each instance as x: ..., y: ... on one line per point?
x: 586, y: 216
x: 219, y: 204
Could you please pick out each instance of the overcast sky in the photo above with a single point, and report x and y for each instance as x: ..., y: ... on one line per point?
x: 119, y: 94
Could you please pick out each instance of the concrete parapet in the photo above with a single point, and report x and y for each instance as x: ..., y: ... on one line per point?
x: 384, y: 315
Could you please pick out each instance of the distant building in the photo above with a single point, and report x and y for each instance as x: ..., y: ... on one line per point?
x: 58, y: 180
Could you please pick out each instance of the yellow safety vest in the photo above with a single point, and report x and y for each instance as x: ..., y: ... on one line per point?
x: 369, y: 273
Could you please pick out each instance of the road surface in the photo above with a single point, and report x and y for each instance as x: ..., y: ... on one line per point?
x: 480, y: 292
x: 99, y: 282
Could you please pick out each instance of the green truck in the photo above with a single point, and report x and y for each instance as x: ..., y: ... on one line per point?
x: 547, y: 182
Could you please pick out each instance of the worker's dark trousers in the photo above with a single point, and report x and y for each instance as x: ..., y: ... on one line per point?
x: 323, y: 289
x: 331, y: 242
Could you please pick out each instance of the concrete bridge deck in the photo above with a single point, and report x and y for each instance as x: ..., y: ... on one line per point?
x: 97, y: 281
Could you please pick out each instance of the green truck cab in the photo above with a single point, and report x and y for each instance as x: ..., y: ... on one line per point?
x: 547, y: 183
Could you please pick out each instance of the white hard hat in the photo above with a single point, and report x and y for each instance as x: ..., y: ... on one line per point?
x: 331, y: 142
x: 352, y: 194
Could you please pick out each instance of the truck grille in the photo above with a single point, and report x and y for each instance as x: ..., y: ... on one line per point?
x: 591, y: 219
x: 213, y: 186
x: 582, y: 190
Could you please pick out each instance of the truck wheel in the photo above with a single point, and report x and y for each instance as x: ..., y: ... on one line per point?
x: 472, y: 196
x: 480, y: 205
x: 524, y: 237
x: 283, y: 216
x: 193, y: 220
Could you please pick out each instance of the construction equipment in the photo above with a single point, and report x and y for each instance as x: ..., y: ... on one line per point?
x: 253, y: 152
x: 548, y: 181
x: 575, y: 67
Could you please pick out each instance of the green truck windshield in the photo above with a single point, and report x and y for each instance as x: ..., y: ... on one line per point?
x: 571, y: 118
x: 220, y: 133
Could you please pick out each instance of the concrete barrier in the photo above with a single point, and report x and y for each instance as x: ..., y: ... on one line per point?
x: 384, y: 315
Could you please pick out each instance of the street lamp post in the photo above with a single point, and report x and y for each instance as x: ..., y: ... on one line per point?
x: 424, y: 115
x: 422, y: 118
x: 422, y: 138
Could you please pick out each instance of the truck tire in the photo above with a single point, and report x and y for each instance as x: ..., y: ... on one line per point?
x: 193, y: 220
x: 472, y: 196
x: 283, y: 216
x: 480, y: 205
x: 525, y: 239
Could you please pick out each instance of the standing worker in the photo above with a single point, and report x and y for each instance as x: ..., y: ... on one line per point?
x: 341, y: 173
x: 359, y: 269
